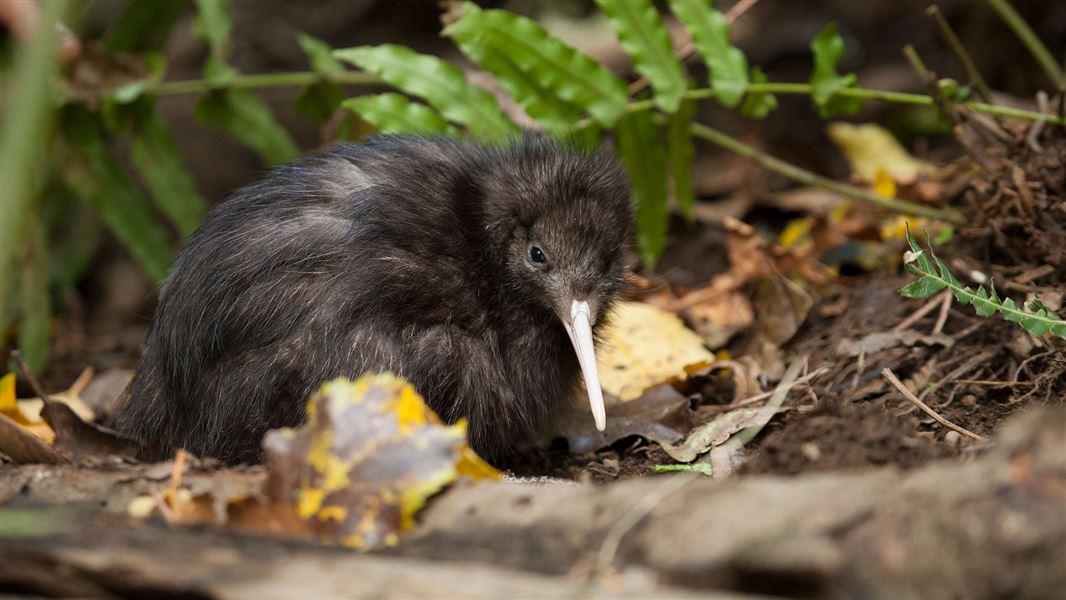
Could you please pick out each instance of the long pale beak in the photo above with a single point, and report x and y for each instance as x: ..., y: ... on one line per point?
x: 579, y: 328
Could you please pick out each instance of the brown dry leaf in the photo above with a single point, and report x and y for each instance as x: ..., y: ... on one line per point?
x: 715, y: 433
x: 661, y: 414
x: 645, y: 346
x: 370, y: 455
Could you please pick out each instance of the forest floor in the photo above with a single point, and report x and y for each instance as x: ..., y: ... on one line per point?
x: 849, y: 489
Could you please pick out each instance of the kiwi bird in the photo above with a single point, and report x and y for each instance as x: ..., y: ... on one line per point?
x: 478, y: 272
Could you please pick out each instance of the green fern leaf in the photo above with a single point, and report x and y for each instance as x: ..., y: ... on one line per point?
x: 438, y: 82
x: 681, y: 151
x: 758, y: 104
x: 710, y: 33
x: 538, y: 67
x: 394, y: 113
x: 644, y: 37
x: 640, y: 148
x: 828, y: 49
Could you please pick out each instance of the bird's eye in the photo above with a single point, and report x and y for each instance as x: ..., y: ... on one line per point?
x: 537, y: 255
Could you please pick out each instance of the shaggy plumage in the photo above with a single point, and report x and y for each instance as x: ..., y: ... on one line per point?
x: 412, y: 255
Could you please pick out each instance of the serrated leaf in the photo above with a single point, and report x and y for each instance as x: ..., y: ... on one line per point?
x: 1038, y: 322
x: 155, y: 156
x: 681, y: 151
x: 642, y: 154
x: 536, y: 67
x: 642, y: 34
x: 245, y: 117
x: 710, y: 34
x: 394, y: 113
x: 984, y: 306
x: 441, y: 84
x: 922, y: 288
x: 758, y: 104
x: 828, y: 49
x: 320, y: 55
x: 95, y: 177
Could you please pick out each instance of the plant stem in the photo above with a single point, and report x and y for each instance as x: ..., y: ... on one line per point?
x: 1029, y: 39
x: 264, y: 80
x: 959, y: 51
x: 804, y: 176
x: 27, y: 124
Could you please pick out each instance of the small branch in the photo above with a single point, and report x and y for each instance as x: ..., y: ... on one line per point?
x: 1029, y: 39
x: 959, y: 51
x: 807, y: 177
x: 891, y: 377
x: 263, y: 80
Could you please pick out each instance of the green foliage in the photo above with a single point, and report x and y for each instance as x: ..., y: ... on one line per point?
x: 540, y: 71
x: 320, y: 100
x: 394, y: 113
x: 155, y: 156
x: 92, y: 172
x: 681, y: 151
x: 828, y: 49
x: 436, y: 81
x: 34, y: 335
x: 710, y: 34
x: 758, y: 104
x: 934, y: 276
x: 644, y: 159
x: 239, y: 113
x: 644, y: 37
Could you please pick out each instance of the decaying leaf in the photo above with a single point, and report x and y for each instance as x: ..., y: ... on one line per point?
x: 644, y: 346
x: 370, y: 455
x: 661, y: 414
x: 713, y: 434
x: 881, y: 340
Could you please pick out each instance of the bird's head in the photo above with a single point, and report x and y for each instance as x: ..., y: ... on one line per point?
x: 561, y: 224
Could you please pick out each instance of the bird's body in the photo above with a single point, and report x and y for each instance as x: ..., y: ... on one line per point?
x: 411, y: 255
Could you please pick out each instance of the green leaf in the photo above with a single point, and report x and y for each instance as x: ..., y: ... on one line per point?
x: 645, y: 38
x: 441, y: 84
x: 681, y: 151
x: 828, y: 48
x: 758, y: 104
x: 1037, y: 322
x: 394, y: 113
x: 640, y: 148
x: 155, y: 156
x: 320, y: 55
x: 34, y: 332
x: 710, y: 33
x: 143, y: 25
x: 541, y: 72
x: 319, y: 101
x: 243, y: 116
x: 93, y: 174
x: 922, y: 288
x: 213, y: 26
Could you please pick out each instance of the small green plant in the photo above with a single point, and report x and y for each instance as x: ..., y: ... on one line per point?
x: 934, y: 276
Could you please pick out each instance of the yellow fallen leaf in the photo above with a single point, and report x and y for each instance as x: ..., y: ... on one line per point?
x: 644, y: 346
x: 884, y: 185
x: 370, y: 455
x: 24, y: 416
x: 869, y: 148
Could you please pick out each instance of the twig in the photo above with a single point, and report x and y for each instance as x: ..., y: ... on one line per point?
x: 807, y: 177
x: 1032, y: 139
x: 957, y: 48
x: 891, y: 377
x: 945, y: 306
x: 688, y: 48
x: 262, y: 80
x: 618, y: 530
x: 921, y: 312
x: 764, y: 395
x: 1029, y: 39
x: 30, y: 378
